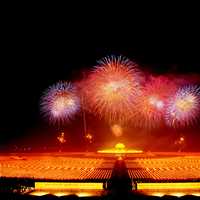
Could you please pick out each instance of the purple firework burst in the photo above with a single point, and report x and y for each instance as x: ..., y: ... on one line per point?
x: 60, y: 102
x: 183, y: 107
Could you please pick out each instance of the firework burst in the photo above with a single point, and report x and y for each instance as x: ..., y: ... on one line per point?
x: 117, y: 130
x: 183, y: 108
x: 112, y: 88
x: 60, y: 102
x: 151, y: 102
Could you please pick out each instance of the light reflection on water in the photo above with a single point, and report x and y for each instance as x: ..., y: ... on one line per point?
x: 157, y: 194
x: 84, y: 194
x: 65, y: 193
x: 172, y: 193
x: 98, y: 193
x: 196, y: 194
x: 38, y: 193
x: 178, y: 194
x: 60, y: 194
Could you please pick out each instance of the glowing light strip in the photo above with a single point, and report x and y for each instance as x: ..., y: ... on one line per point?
x: 119, y: 151
x: 157, y: 186
x: 65, y: 186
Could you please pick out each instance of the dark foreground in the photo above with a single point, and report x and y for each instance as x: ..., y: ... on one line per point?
x: 131, y: 196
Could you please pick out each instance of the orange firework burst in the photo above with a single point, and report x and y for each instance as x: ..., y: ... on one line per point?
x: 151, y: 103
x: 112, y: 88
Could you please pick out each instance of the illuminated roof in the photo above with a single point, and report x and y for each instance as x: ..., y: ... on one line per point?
x: 120, y: 148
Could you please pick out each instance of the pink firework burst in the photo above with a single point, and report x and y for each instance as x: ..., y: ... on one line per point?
x: 60, y: 102
x: 112, y: 88
x: 152, y: 101
x: 183, y: 107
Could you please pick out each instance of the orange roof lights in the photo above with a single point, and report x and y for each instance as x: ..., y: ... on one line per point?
x: 119, y: 148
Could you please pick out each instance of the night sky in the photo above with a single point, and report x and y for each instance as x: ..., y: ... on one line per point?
x: 38, y: 52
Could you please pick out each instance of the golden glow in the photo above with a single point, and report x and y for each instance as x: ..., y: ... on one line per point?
x: 186, y: 103
x: 177, y: 194
x: 161, y: 194
x: 196, y: 194
x: 116, y: 130
x: 119, y: 146
x: 120, y: 158
x: 54, y: 167
x: 65, y: 193
x: 89, y: 136
x: 61, y: 138
x: 157, y: 186
x: 119, y: 149
x: 157, y: 194
x: 64, y: 186
x: 114, y: 151
x: 84, y: 194
x: 180, y: 141
x: 175, y: 166
x: 60, y: 194
x: 38, y: 193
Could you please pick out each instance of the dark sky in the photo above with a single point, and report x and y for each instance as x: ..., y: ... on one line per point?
x: 37, y: 51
